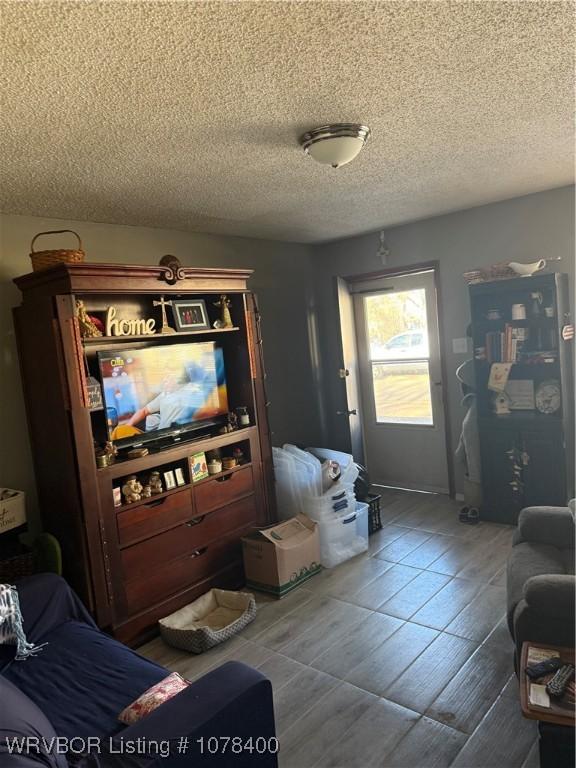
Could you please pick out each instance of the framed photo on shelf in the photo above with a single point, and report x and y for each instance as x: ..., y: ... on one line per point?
x: 190, y: 315
x: 199, y: 466
x: 169, y: 480
x: 180, y: 479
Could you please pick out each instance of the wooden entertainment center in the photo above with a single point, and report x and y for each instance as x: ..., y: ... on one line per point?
x: 134, y: 563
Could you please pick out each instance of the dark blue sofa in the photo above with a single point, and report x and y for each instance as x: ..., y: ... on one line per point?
x: 82, y: 679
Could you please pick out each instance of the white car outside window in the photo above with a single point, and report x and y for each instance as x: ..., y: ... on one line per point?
x: 407, y: 345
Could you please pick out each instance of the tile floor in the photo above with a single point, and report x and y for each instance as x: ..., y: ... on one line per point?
x: 400, y: 658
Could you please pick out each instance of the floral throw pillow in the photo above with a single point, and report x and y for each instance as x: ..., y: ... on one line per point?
x: 152, y: 698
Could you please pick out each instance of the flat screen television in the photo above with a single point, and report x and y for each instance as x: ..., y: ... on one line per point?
x: 158, y: 391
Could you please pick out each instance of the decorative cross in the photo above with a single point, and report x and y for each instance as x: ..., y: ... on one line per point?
x: 162, y: 303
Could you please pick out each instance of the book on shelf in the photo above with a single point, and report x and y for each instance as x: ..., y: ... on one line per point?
x: 505, y: 346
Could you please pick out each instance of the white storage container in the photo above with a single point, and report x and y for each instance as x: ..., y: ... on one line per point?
x: 343, y: 536
x: 349, y: 470
x: 339, y: 503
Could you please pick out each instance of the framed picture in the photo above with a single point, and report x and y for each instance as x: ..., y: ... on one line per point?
x: 169, y: 480
x: 180, y: 480
x: 521, y: 394
x: 190, y: 315
x: 199, y: 466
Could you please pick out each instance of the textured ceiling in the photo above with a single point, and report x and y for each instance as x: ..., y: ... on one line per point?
x: 187, y: 115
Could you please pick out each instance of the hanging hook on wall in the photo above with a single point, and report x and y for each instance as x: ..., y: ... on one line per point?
x: 383, y: 252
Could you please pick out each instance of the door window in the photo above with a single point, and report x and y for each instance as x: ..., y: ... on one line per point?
x: 397, y: 335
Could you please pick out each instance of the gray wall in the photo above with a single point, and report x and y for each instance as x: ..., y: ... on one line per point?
x: 282, y: 279
x: 295, y: 287
x: 522, y: 229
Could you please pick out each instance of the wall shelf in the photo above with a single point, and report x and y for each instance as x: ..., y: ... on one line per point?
x: 107, y: 340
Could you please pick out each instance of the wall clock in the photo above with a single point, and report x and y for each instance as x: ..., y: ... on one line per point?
x: 548, y: 396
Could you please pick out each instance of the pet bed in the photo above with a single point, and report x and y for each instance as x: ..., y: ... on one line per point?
x: 211, y: 619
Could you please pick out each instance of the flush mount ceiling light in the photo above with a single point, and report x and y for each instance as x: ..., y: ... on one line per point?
x: 335, y: 144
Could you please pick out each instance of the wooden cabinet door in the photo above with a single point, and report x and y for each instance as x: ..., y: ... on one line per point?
x: 500, y: 503
x: 544, y: 475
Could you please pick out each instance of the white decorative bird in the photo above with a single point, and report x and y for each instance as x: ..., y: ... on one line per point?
x: 525, y: 270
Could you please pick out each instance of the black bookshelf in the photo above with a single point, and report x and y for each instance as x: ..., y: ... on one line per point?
x: 527, y: 456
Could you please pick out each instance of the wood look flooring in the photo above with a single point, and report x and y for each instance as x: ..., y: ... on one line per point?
x: 399, y: 658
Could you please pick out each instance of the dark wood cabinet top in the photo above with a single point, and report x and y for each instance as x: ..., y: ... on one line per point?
x: 89, y: 277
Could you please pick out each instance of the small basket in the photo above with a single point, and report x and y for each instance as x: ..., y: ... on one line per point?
x: 47, y: 259
x: 488, y: 274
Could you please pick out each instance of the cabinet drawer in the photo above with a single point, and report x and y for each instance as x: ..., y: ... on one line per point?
x: 220, y: 491
x: 157, y: 515
x: 179, y: 574
x: 142, y: 558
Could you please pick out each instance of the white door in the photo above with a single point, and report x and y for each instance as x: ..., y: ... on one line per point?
x: 400, y: 375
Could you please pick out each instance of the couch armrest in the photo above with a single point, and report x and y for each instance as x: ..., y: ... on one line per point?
x: 552, y: 595
x: 547, y: 525
x: 231, y: 701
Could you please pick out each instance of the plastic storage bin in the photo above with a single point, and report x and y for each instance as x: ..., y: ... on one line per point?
x: 343, y: 536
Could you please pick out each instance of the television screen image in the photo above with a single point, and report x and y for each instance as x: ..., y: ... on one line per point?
x: 154, y: 389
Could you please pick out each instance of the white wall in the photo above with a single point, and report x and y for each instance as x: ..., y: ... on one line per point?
x: 522, y: 229
x: 282, y: 279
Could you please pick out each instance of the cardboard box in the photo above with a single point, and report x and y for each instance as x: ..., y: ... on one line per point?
x: 280, y: 558
x: 12, y: 509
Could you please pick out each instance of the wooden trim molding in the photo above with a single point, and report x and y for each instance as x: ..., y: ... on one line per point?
x: 131, y: 278
x: 409, y: 269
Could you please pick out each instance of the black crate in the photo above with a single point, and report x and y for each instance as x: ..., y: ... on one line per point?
x: 374, y: 521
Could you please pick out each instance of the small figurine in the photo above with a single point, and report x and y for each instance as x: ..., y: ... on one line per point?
x: 146, y: 492
x: 111, y: 450
x: 225, y: 318
x: 238, y: 454
x: 132, y: 489
x: 88, y: 328
x: 155, y: 483
x: 232, y: 424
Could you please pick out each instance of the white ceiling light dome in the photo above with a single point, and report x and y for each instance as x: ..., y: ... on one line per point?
x: 335, y: 144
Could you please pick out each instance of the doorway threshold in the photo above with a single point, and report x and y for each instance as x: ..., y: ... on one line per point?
x: 410, y: 490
